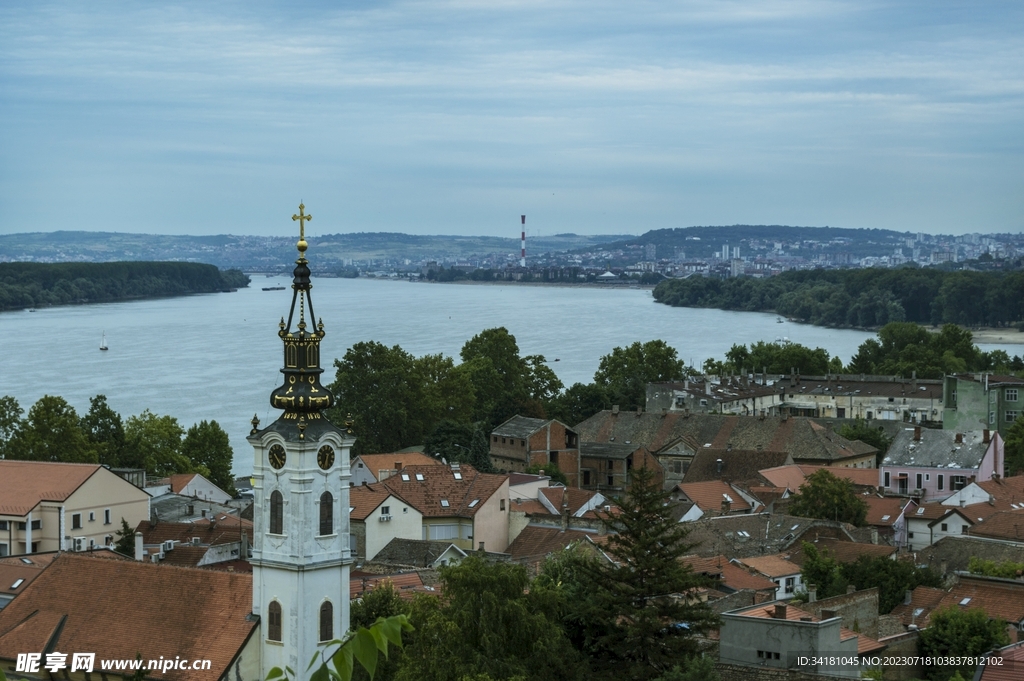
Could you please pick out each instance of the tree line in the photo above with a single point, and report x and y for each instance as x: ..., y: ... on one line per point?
x: 550, y: 275
x: 862, y: 298
x: 29, y: 284
x: 52, y: 430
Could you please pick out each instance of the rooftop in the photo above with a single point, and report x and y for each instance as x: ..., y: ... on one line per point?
x: 520, y: 427
x: 865, y: 645
x: 376, y: 463
x: 793, y: 476
x: 23, y: 484
x: 1006, y: 525
x: 777, y: 565
x: 729, y: 574
x: 415, y: 552
x: 885, y: 511
x: 739, y: 466
x: 607, y: 450
x: 537, y: 542
x: 463, y: 489
x: 710, y: 495
x: 936, y: 449
x: 365, y: 499
x: 843, y: 551
x: 758, y: 534
x: 221, y: 533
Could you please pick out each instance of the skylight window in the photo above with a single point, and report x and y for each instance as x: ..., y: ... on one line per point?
x: 473, y: 503
x: 965, y: 601
x: 419, y: 477
x: 351, y: 508
x: 405, y: 477
x: 918, y: 611
x: 920, y: 511
x: 794, y: 527
x: 444, y: 503
x: 884, y: 518
x: 458, y: 476
x: 17, y: 583
x: 26, y: 561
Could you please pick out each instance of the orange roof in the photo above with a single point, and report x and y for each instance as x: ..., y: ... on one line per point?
x: 226, y: 520
x: 444, y: 492
x: 23, y: 484
x: 365, y: 499
x: 999, y: 525
x: 530, y: 507
x: 1008, y: 489
x: 923, y: 600
x: 793, y: 476
x: 1007, y: 664
x: 375, y: 463
x: 78, y: 604
x: 728, y: 573
x: 772, y: 566
x: 179, y: 481
x: 794, y: 614
x: 1000, y: 599
x: 885, y: 511
x: 13, y: 569
x: 407, y: 584
x: 223, y: 533
x: 710, y: 495
x: 572, y: 497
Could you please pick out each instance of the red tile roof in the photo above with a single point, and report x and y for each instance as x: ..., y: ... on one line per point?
x: 572, y: 497
x: 1008, y: 489
x: 538, y: 542
x: 710, y: 495
x: 223, y: 533
x: 885, y: 511
x: 530, y: 507
x: 179, y: 481
x: 794, y: 475
x: 1000, y: 525
x: 440, y: 483
x: 365, y: 499
x: 922, y: 601
x: 23, y: 484
x: 375, y: 463
x: 79, y: 604
x: 1007, y: 664
x: 793, y: 614
x: 14, y: 568
x: 1000, y: 599
x: 407, y: 584
x: 729, y: 574
x: 842, y: 551
x: 772, y: 566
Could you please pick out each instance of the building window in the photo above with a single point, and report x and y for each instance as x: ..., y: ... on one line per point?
x: 276, y: 515
x: 1010, y: 416
x: 385, y: 510
x: 945, y: 527
x: 76, y: 521
x: 586, y: 477
x: 790, y: 584
x: 326, y: 514
x: 92, y: 516
x: 887, y: 479
x: 919, y: 481
x: 502, y: 440
x: 940, y: 481
x: 553, y: 457
x: 522, y: 443
x: 3, y: 550
x: 274, y: 621
x: 991, y: 417
x: 495, y: 438
x: 963, y: 529
x: 1011, y: 395
x: 501, y: 505
x: 106, y: 516
x: 910, y: 535
x: 957, y: 483
x: 326, y: 621
x: 611, y: 481
x: 3, y: 525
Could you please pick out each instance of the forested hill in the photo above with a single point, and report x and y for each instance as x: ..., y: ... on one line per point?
x: 865, y: 298
x: 24, y: 284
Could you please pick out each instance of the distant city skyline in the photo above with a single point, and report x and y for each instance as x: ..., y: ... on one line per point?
x: 456, y: 117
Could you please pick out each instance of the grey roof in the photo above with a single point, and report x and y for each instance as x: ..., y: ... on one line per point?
x: 743, y: 536
x: 606, y: 450
x: 955, y: 552
x: 519, y: 426
x: 936, y: 449
x: 175, y: 508
x: 414, y: 552
x: 739, y: 466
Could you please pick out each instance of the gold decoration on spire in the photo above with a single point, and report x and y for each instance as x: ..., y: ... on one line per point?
x: 302, y: 217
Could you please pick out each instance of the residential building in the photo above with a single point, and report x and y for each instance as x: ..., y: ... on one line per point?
x: 371, y: 468
x: 606, y: 467
x: 715, y: 395
x: 458, y: 503
x: 713, y: 497
x: 46, y: 506
x: 1000, y: 599
x: 526, y: 485
x: 736, y: 466
x: 563, y: 508
x: 730, y: 577
x: 376, y: 516
x: 777, y: 635
x: 930, y: 464
x: 780, y: 570
x: 759, y: 534
x: 841, y: 549
x: 929, y: 523
x: 172, y: 613
x: 976, y: 401
x: 1002, y: 525
x: 193, y: 485
x: 792, y: 477
x: 535, y: 543
x: 1009, y: 490
x: 522, y: 442
x: 889, y: 515
x: 218, y: 540
x: 882, y: 398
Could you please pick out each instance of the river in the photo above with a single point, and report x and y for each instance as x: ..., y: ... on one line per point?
x: 217, y: 356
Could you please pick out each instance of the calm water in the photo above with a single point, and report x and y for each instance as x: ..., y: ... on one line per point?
x: 218, y: 356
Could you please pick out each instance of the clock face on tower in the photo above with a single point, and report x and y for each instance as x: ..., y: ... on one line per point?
x: 325, y: 457
x: 277, y: 456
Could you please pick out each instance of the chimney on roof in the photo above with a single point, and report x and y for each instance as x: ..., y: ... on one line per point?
x: 917, y: 433
x: 913, y: 380
x: 985, y: 435
x: 851, y: 588
x: 639, y: 411
x: 707, y: 387
x: 908, y: 597
x: 812, y: 593
x: 481, y: 546
x: 959, y: 438
x: 828, y: 614
x: 139, y: 552
x: 615, y: 409
x: 726, y: 506
x: 780, y: 611
x: 719, y: 465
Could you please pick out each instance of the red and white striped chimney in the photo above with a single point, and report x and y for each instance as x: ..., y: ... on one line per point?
x: 522, y: 256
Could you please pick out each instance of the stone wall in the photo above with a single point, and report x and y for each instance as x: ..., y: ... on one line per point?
x: 859, y: 610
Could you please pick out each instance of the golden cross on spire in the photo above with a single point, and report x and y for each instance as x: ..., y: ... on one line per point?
x: 302, y: 217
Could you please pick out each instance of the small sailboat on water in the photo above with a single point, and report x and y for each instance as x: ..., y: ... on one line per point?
x: 103, y: 343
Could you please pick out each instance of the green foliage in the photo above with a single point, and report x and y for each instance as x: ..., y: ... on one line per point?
x: 563, y: 583
x: 778, y: 358
x: 51, y: 432
x: 105, y: 431
x: 867, y: 297
x: 903, y: 348
x: 694, y: 669
x: 1014, y: 447
x: 396, y: 399
x: 625, y: 372
x: 892, y: 577
x: 860, y: 430
x: 154, y: 443
x: 549, y: 469
x: 462, y: 442
x: 336, y: 661
x: 382, y: 602
x: 207, y: 447
x: 578, y: 403
x: 10, y: 417
x: 825, y: 496
x: 25, y: 284
x: 486, y: 624
x: 641, y: 621
x: 955, y: 632
x: 1007, y: 569
x: 125, y: 544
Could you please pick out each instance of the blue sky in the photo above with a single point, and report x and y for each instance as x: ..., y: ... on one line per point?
x: 456, y: 117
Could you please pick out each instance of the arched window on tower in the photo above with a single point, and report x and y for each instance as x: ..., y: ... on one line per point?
x: 276, y: 513
x: 326, y: 514
x: 274, y: 621
x: 311, y: 356
x: 326, y: 621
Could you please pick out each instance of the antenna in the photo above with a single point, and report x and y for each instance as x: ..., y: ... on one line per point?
x: 522, y: 256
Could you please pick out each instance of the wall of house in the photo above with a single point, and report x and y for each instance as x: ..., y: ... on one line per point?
x: 528, y: 490
x: 406, y: 523
x: 859, y: 610
x: 509, y: 453
x: 929, y: 479
x: 462, y: 526
x: 742, y: 638
x: 954, y: 528
x: 994, y: 459
x: 201, y: 488
x: 357, y: 539
x: 918, y: 533
x: 490, y: 524
x: 969, y: 409
x: 553, y: 438
x: 104, y: 490
x: 783, y: 592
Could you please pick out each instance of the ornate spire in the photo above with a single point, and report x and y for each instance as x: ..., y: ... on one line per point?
x: 302, y: 397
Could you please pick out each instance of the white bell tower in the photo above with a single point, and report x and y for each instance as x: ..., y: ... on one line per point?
x: 301, y: 523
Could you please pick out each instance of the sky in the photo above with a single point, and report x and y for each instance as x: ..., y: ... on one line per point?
x: 456, y: 117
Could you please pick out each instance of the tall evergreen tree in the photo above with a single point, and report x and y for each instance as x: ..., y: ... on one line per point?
x: 644, y: 618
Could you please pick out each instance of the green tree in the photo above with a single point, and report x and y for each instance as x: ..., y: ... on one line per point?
x: 695, y: 669
x: 823, y: 495
x: 1006, y: 569
x: 384, y: 601
x: 1014, y: 447
x: 642, y: 620
x: 486, y: 623
x: 549, y: 469
x: 893, y: 578
x: 10, y: 418
x: 462, y: 442
x: 777, y: 358
x: 125, y: 544
x: 953, y: 632
x: 208, y: 448
x: 823, y: 571
x: 154, y: 443
x: 51, y: 432
x: 105, y: 430
x: 860, y: 430
x: 336, y: 660
x: 578, y: 403
x: 625, y: 372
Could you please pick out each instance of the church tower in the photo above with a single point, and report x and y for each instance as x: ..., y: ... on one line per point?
x: 300, y: 558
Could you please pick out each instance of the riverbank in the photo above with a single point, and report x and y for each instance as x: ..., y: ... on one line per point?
x: 992, y: 335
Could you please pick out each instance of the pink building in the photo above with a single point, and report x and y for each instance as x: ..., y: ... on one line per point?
x: 932, y: 464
